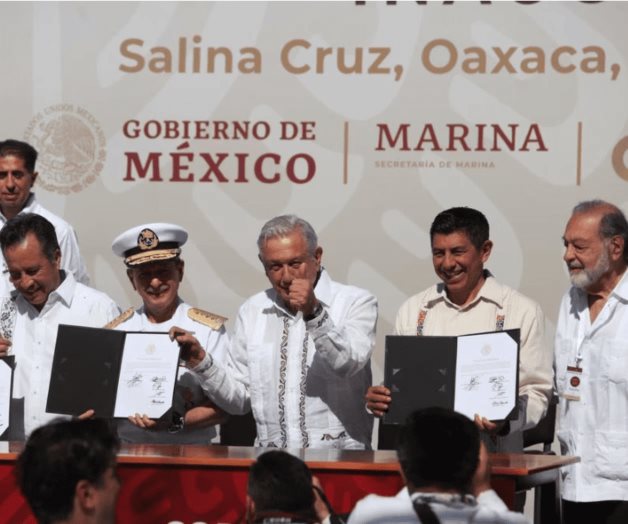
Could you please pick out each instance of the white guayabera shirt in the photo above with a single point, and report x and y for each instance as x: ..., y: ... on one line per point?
x: 495, y: 307
x: 595, y: 427
x: 304, y: 381
x: 35, y: 335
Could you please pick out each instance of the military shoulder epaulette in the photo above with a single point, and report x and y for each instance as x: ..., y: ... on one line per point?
x: 122, y: 317
x: 205, y: 317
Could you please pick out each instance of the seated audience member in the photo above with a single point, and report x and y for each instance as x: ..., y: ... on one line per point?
x: 151, y: 253
x: 281, y: 489
x: 447, y: 475
x: 17, y: 177
x: 67, y: 472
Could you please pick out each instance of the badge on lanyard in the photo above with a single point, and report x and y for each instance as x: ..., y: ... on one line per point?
x: 574, y: 380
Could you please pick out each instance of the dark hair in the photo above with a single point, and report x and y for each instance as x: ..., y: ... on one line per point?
x: 17, y: 228
x: 613, y: 222
x: 439, y: 447
x: 466, y: 219
x: 21, y: 150
x: 281, y: 482
x: 56, y: 457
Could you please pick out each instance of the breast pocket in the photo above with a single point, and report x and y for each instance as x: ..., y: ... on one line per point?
x: 617, y: 361
x: 611, y: 454
x: 563, y: 357
x: 264, y: 381
x: 261, y: 374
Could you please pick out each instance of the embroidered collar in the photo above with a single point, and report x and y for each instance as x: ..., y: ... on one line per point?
x: 491, y: 291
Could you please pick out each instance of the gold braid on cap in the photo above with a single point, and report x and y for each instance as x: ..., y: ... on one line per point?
x: 152, y: 256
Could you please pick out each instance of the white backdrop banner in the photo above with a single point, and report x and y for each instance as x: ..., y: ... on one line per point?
x: 367, y: 119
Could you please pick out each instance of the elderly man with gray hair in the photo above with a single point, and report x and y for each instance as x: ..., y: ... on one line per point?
x: 591, y: 363
x: 300, y: 352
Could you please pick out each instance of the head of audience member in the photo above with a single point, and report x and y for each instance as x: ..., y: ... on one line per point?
x: 33, y: 257
x: 289, y: 250
x: 67, y: 472
x: 596, y: 246
x: 439, y: 451
x: 280, y: 485
x: 17, y: 175
x: 151, y: 253
x: 460, y: 248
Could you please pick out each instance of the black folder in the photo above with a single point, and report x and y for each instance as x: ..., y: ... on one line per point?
x: 420, y: 372
x: 6, y: 416
x: 86, y: 371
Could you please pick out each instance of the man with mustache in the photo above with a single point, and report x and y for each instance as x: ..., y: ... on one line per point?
x: 151, y: 253
x: 470, y: 300
x: 591, y: 363
x: 17, y: 177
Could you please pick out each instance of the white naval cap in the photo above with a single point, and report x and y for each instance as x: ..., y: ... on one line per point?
x: 150, y: 243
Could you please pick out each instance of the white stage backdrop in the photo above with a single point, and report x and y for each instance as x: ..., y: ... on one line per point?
x: 366, y: 119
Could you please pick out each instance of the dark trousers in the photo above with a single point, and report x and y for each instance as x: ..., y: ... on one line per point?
x: 604, y: 512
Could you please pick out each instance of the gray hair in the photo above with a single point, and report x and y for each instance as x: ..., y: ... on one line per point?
x: 282, y: 226
x: 613, y: 222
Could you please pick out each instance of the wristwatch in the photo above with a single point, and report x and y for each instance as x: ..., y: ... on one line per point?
x: 178, y: 421
x: 317, y: 311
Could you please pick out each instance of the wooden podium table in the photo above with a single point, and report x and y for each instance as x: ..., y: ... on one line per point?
x: 511, y: 472
x: 194, y: 484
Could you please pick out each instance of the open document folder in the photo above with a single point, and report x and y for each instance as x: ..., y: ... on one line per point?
x: 7, y: 365
x: 116, y: 373
x: 477, y: 373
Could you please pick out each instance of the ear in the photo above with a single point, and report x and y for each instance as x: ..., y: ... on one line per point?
x: 57, y: 259
x: 409, y: 486
x: 250, y: 509
x: 485, y: 251
x: 259, y: 256
x: 318, y: 255
x: 403, y: 475
x: 616, y: 248
x: 33, y: 178
x: 129, y: 273
x: 180, y: 268
x: 85, y: 496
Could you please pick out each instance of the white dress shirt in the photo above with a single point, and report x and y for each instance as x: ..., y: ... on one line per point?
x: 595, y: 428
x: 490, y: 509
x: 305, y: 381
x: 188, y: 391
x: 35, y: 336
